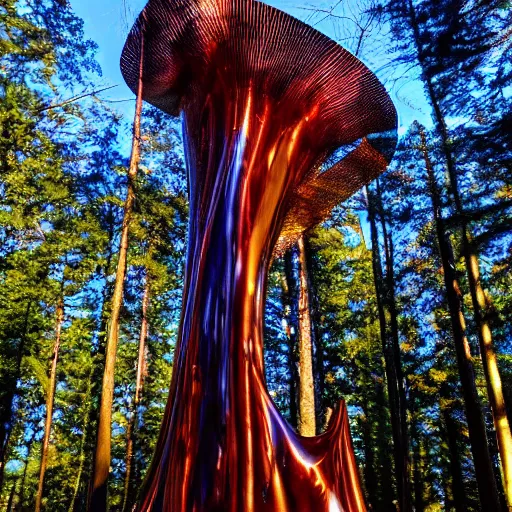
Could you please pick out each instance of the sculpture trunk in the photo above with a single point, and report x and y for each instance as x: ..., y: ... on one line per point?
x: 224, y: 446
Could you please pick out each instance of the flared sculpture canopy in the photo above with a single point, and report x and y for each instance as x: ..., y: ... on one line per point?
x: 280, y: 125
x: 192, y: 46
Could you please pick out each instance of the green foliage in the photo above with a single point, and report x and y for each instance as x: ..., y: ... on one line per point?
x: 62, y: 190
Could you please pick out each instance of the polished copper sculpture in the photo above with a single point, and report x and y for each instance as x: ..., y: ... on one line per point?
x: 265, y: 101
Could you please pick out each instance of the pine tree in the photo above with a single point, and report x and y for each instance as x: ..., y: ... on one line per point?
x: 386, y: 302
x: 450, y: 53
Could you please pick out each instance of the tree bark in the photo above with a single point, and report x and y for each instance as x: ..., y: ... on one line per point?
x: 418, y: 468
x: 139, y: 383
x: 384, y: 456
x: 50, y: 399
x: 288, y: 287
x: 12, y: 494
x: 99, y: 495
x: 385, y: 294
x: 370, y: 475
x: 484, y: 471
x: 318, y: 352
x: 307, y: 416
x: 389, y: 253
x: 490, y: 365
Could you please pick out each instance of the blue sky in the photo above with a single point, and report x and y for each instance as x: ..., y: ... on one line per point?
x: 107, y: 22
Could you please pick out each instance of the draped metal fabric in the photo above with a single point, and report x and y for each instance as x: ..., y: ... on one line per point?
x: 280, y: 124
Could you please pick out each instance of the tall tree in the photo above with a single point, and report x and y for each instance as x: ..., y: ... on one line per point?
x: 307, y: 413
x: 59, y: 320
x: 386, y: 302
x: 102, y: 455
x: 449, y: 54
x: 476, y: 424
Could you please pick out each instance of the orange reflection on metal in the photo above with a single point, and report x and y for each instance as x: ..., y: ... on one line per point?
x: 258, y: 123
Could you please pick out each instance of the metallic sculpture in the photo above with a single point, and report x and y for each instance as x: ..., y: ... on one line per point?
x: 266, y: 101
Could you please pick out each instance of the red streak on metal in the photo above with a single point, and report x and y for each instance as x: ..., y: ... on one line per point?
x: 256, y: 134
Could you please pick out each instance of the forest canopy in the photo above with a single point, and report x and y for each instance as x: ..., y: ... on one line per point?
x: 400, y: 303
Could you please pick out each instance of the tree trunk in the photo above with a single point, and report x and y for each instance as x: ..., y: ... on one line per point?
x: 81, y: 465
x: 49, y: 404
x: 490, y: 364
x: 318, y: 352
x: 384, y: 456
x: 384, y: 287
x: 12, y: 494
x: 484, y: 470
x: 370, y: 475
x: 6, y: 421
x: 307, y: 416
x: 418, y: 468
x: 5, y: 434
x: 479, y: 302
x: 389, y: 252
x: 454, y: 486
x: 101, y: 468
x: 24, y: 475
x: 288, y: 287
x: 139, y: 382
x: 481, y: 319
x: 452, y: 434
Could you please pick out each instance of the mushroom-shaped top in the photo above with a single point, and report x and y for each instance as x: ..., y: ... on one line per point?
x: 186, y: 42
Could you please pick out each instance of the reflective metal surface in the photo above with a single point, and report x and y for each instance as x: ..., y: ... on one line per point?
x: 256, y: 134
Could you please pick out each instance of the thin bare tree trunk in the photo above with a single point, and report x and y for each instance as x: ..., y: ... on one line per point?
x: 139, y: 383
x: 83, y: 442
x: 384, y: 288
x: 484, y: 470
x: 101, y: 467
x: 307, y: 416
x: 288, y: 287
x: 50, y: 399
